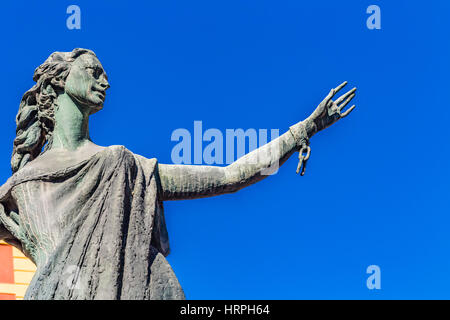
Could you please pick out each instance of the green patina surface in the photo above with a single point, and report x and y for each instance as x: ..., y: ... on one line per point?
x: 98, y: 210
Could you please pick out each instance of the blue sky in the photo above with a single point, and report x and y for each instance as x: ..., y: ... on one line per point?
x: 376, y: 187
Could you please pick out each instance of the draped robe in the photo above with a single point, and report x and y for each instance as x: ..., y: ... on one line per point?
x: 95, y: 229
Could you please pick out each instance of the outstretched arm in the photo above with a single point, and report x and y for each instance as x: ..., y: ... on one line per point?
x: 190, y: 182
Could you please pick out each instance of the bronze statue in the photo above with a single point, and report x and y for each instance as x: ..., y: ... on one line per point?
x: 73, y: 205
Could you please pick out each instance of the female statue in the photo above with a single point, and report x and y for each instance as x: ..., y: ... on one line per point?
x: 96, y: 212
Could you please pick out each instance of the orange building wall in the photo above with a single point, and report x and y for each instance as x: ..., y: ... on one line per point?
x: 16, y: 272
x: 6, y: 263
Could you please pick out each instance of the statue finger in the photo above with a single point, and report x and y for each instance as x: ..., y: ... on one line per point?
x: 15, y: 217
x: 346, y: 102
x: 344, y: 96
x: 332, y: 93
x: 343, y: 84
x: 329, y: 97
x: 346, y: 113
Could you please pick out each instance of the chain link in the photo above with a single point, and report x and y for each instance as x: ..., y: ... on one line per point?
x: 303, y: 157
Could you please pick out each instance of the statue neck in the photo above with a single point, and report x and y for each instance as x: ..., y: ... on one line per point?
x: 71, y: 124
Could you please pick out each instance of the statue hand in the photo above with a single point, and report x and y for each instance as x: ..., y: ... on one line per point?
x: 329, y: 111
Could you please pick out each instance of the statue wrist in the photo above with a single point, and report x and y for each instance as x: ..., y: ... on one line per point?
x: 311, y: 127
x: 300, y: 133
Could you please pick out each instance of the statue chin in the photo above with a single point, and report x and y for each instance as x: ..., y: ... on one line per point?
x: 90, y: 104
x: 95, y: 108
x: 93, y: 105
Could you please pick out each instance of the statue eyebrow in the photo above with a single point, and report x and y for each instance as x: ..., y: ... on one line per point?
x: 96, y: 67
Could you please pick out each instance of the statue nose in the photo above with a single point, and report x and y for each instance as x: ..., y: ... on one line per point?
x: 105, y: 85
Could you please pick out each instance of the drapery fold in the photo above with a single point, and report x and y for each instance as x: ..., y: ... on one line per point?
x: 96, y: 230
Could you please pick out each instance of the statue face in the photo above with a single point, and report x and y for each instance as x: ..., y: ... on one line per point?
x: 87, y: 83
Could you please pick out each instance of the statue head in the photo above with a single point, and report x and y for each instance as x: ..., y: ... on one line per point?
x: 80, y: 75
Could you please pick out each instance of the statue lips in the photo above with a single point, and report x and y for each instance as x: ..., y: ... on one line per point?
x: 102, y: 93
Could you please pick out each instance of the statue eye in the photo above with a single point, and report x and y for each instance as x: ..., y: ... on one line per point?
x: 98, y: 73
x: 95, y: 72
x: 90, y: 70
